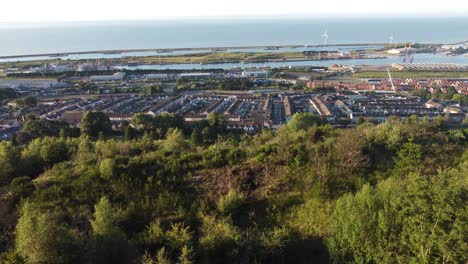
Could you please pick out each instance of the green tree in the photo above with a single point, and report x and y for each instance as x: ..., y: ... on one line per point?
x: 41, y: 238
x: 409, y: 159
x: 27, y: 101
x: 218, y: 233
x: 303, y: 121
x: 179, y: 236
x: 107, y: 168
x: 85, y: 149
x: 7, y: 93
x: 450, y: 93
x: 152, y: 89
x: 175, y: 141
x: 230, y: 201
x: 457, y: 97
x: 196, y: 137
x: 95, y: 122
x: 216, y: 122
x: 275, y: 240
x: 418, y: 220
x: 109, y: 243
x: 162, y: 257
x: 9, y: 158
x: 186, y: 255
x: 130, y: 133
x: 53, y: 152
x: 209, y: 134
x: 361, y: 120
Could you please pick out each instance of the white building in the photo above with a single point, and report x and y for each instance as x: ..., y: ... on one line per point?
x: 119, y: 76
x: 157, y: 76
x: 196, y: 75
x: 256, y: 74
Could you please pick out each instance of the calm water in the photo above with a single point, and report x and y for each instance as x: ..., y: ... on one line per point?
x: 16, y: 39
x: 419, y: 58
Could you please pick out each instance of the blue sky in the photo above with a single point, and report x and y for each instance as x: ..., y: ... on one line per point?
x: 95, y: 10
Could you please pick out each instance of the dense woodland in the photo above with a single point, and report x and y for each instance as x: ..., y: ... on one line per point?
x: 165, y: 191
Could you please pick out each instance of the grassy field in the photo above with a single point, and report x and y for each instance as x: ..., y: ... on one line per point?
x: 204, y: 58
x: 219, y: 57
x: 411, y: 74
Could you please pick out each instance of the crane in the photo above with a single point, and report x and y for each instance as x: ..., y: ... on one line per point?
x: 391, y: 81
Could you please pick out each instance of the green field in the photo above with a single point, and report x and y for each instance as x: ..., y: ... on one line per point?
x: 411, y: 74
x: 198, y: 58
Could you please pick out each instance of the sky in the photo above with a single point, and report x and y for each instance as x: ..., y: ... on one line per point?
x: 103, y: 10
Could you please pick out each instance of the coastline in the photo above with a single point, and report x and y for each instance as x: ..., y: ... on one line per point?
x: 170, y: 50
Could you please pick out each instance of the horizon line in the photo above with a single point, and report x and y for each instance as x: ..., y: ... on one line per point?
x: 310, y: 16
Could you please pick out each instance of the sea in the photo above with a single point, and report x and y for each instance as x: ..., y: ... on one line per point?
x: 43, y: 38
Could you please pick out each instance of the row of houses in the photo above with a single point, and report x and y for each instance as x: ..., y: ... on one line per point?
x: 460, y: 85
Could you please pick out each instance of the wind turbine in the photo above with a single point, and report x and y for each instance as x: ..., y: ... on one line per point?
x: 325, y: 38
x: 390, y: 39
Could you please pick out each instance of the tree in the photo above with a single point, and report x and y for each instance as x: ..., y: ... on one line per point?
x: 7, y: 93
x: 209, y: 134
x: 152, y: 89
x: 350, y: 153
x: 20, y: 188
x: 35, y: 128
x: 218, y: 233
x: 216, y: 122
x: 457, y: 97
x: 418, y: 220
x: 450, y: 93
x: 53, y: 152
x: 162, y: 257
x: 230, y: 201
x: 143, y: 121
x: 107, y: 168
x: 27, y: 101
x: 9, y: 158
x: 95, y: 122
x: 196, y: 137
x: 175, y: 141
x: 186, y: 255
x: 105, y: 220
x: 303, y: 121
x: 85, y: 148
x: 41, y: 238
x: 275, y: 240
x: 409, y: 159
x: 437, y: 93
x: 130, y: 133
x: 361, y: 120
x: 423, y: 93
x: 109, y: 243
x: 179, y: 236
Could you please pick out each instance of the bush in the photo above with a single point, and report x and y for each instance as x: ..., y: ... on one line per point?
x: 218, y: 233
x: 230, y: 201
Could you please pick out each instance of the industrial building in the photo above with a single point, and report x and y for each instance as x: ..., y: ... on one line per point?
x: 118, y: 76
x: 428, y: 67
